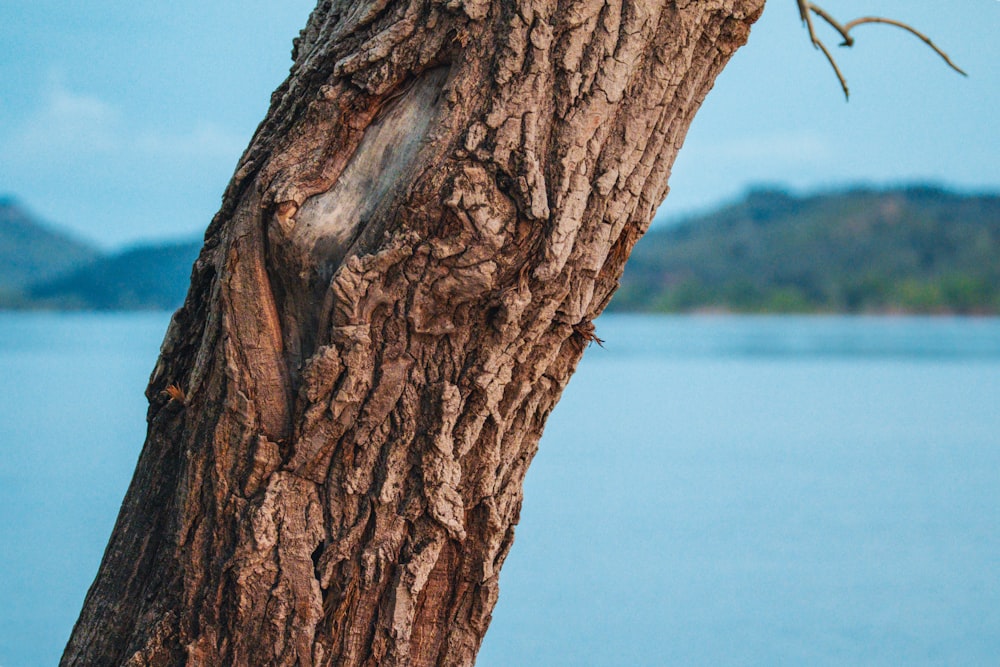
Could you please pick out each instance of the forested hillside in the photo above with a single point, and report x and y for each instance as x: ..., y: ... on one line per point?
x: 153, y: 277
x: 907, y: 250
x: 914, y: 250
x: 32, y: 251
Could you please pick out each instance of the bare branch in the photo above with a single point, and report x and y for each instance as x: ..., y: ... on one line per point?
x: 844, y: 30
x: 913, y: 31
x: 806, y: 15
x: 806, y: 9
x: 836, y: 69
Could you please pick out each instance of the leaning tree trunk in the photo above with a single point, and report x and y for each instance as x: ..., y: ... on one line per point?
x: 398, y: 286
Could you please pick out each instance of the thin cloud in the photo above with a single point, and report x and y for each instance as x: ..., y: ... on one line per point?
x: 69, y: 125
x: 786, y: 148
x: 205, y: 140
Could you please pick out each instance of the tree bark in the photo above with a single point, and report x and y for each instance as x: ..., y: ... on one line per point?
x: 395, y: 292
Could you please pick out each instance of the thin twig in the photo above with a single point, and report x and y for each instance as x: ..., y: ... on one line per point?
x: 844, y: 30
x: 913, y: 31
x: 836, y: 69
x: 806, y: 15
x: 806, y: 9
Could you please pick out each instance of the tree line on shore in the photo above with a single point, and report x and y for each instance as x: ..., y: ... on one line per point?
x: 912, y: 249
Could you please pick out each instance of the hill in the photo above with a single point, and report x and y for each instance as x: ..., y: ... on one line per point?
x: 31, y: 251
x: 152, y: 277
x: 914, y: 250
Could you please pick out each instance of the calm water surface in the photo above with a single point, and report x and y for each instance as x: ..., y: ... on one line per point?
x: 710, y: 491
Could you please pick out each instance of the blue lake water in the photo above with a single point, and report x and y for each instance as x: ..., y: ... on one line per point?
x: 710, y: 491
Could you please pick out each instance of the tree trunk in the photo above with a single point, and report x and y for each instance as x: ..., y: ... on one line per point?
x: 398, y: 286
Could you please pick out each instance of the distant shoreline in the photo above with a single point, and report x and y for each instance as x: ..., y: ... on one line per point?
x: 914, y: 250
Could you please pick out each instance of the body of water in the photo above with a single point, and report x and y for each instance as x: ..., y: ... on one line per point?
x: 710, y: 491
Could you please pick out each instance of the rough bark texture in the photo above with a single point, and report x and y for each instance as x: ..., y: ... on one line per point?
x: 398, y: 286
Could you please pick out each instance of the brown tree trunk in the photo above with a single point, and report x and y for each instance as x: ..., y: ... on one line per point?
x: 398, y: 286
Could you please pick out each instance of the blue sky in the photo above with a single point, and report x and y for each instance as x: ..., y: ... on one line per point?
x: 123, y: 121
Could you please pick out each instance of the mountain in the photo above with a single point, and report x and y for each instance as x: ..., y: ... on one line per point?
x: 31, y: 251
x: 914, y: 249
x: 151, y: 277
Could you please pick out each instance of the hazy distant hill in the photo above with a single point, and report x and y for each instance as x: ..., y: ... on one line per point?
x: 140, y: 278
x: 31, y: 251
x: 916, y: 249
